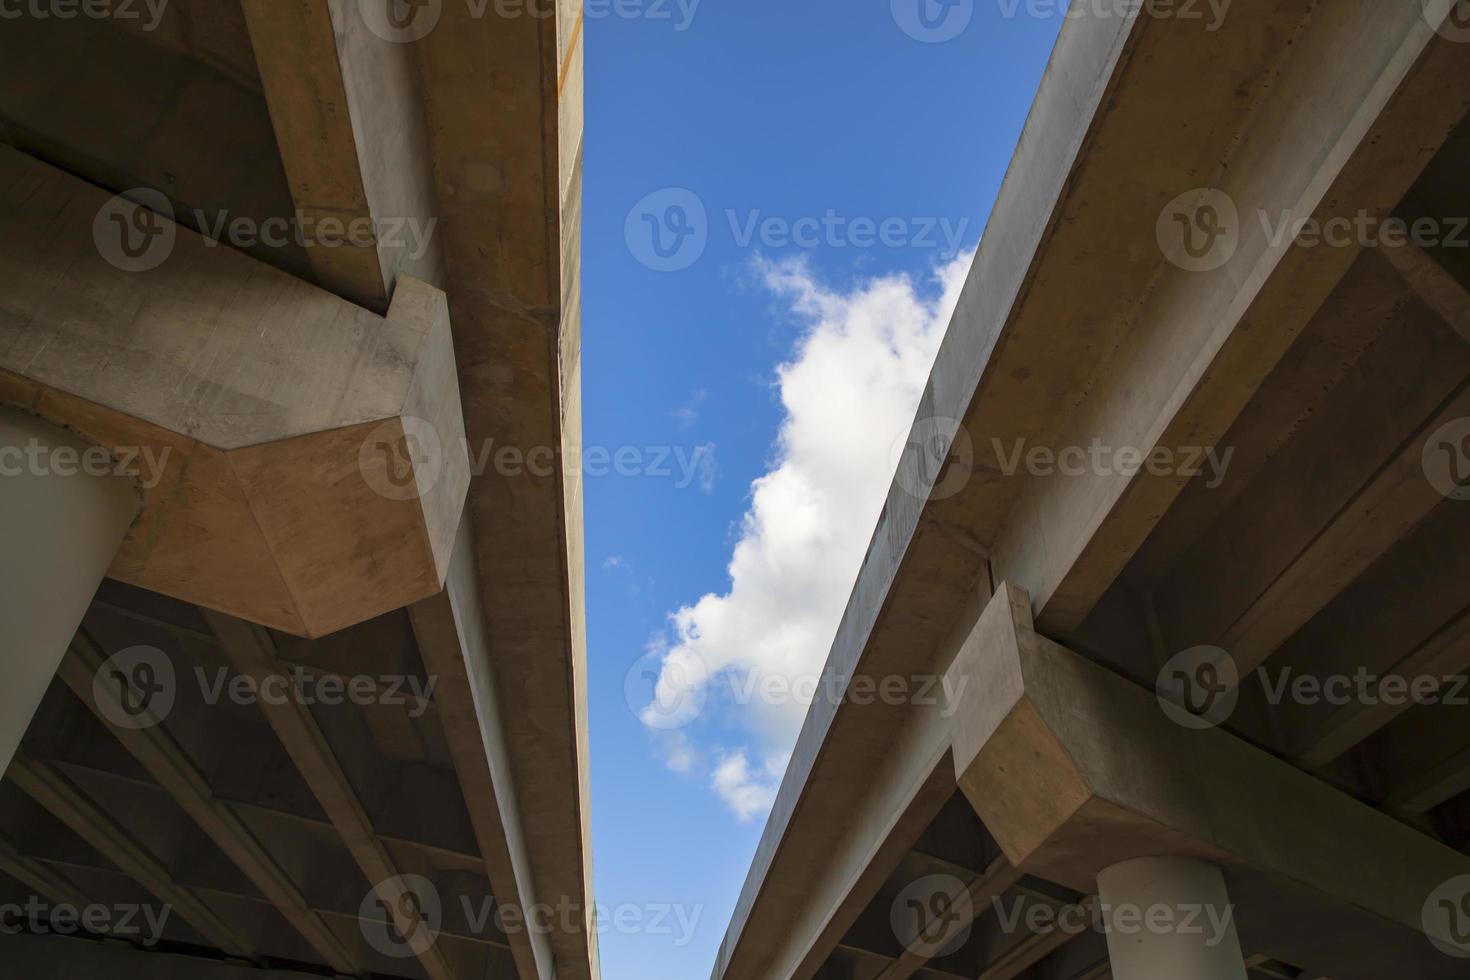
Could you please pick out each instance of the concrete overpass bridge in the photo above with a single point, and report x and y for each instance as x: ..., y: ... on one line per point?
x: 287, y: 662
x: 272, y: 269
x: 1113, y: 615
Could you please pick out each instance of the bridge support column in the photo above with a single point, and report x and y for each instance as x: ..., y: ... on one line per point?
x: 1169, y: 919
x: 61, y: 523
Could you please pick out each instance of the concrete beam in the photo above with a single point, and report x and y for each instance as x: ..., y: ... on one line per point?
x: 48, y: 787
x: 1444, y: 655
x: 1422, y: 761
x: 454, y: 642
x: 175, y: 106
x: 917, y: 577
x: 173, y: 770
x: 348, y: 115
x: 1075, y: 769
x: 971, y: 900
x: 1417, y: 793
x: 1396, y: 499
x: 504, y: 102
x: 305, y: 457
x: 46, y: 880
x: 1359, y: 103
x: 1023, y: 950
x: 1434, y: 284
x: 1249, y: 583
x: 253, y: 653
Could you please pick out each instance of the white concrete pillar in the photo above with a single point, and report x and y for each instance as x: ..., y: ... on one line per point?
x: 1169, y: 919
x: 63, y: 515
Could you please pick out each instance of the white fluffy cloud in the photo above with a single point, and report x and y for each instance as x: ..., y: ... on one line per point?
x: 849, y: 393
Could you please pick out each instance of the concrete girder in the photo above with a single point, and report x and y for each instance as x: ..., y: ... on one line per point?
x: 175, y: 773
x: 512, y: 251
x: 308, y: 464
x: 454, y: 641
x: 1075, y: 769
x: 1359, y: 103
x: 347, y: 110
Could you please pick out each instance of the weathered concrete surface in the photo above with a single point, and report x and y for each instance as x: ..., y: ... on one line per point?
x: 512, y: 207
x: 347, y: 108
x: 282, y: 489
x: 456, y: 646
x: 1075, y: 769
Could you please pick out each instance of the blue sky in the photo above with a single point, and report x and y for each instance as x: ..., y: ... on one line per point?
x: 798, y: 159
